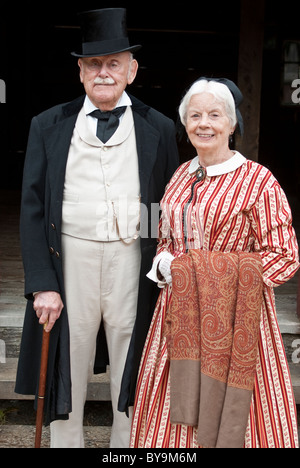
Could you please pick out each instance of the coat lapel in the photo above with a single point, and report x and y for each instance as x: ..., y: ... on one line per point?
x: 57, y: 140
x: 147, y: 140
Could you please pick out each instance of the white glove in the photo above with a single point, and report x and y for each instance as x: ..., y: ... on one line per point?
x: 164, y: 267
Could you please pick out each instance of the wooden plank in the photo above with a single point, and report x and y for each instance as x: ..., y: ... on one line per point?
x: 250, y: 74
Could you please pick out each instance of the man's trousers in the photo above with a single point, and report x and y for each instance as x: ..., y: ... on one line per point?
x: 101, y: 282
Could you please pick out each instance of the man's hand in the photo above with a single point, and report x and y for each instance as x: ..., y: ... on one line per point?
x: 48, y: 306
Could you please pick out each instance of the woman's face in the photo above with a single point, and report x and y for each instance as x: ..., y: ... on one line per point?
x: 208, y: 126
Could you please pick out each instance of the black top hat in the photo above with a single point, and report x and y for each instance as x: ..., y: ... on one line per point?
x: 104, y: 32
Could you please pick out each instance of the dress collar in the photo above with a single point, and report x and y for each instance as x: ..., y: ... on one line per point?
x: 231, y: 165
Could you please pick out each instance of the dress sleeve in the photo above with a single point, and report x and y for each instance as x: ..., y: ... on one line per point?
x: 275, y: 237
x: 165, y: 248
x: 40, y: 274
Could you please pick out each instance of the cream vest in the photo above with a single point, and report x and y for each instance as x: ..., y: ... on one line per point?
x: 102, y: 188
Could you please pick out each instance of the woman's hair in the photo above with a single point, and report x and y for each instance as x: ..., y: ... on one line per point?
x: 219, y: 90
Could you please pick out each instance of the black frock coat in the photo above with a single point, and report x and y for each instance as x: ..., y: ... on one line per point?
x: 40, y: 229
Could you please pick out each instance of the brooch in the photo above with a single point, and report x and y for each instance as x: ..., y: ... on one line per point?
x: 201, y: 173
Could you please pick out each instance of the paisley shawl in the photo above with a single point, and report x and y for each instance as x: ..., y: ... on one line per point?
x: 213, y: 331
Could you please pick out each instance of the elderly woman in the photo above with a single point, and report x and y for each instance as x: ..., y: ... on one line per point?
x: 220, y: 202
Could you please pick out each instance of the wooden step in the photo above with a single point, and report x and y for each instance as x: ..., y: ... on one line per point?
x: 11, y: 322
x: 98, y: 387
x: 12, y: 310
x: 287, y: 317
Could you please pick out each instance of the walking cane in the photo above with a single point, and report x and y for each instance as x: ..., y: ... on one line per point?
x: 42, y: 388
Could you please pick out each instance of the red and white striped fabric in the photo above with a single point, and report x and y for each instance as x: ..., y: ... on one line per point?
x: 238, y: 207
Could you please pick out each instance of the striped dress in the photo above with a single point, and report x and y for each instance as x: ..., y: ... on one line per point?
x: 239, y: 206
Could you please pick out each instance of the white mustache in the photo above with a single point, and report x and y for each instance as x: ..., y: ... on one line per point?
x: 104, y: 81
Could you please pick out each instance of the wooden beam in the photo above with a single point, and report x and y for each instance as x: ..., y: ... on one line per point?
x: 298, y: 297
x: 250, y: 74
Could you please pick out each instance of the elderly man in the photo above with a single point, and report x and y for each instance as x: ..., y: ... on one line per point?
x: 93, y: 169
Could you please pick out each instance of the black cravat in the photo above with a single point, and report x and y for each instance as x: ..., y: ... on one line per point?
x: 108, y: 122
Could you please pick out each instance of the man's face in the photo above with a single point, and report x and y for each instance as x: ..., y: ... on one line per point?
x: 105, y: 78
